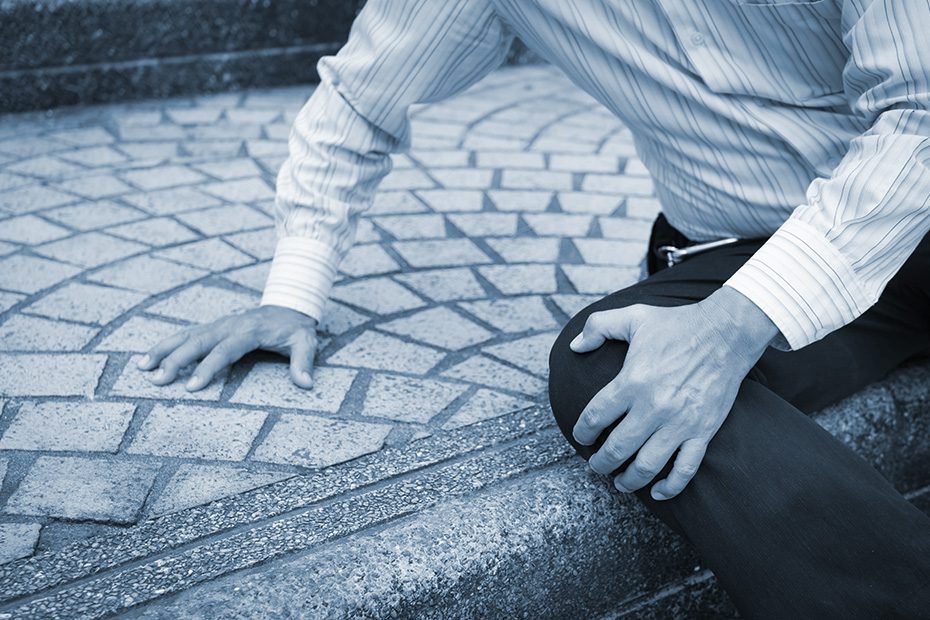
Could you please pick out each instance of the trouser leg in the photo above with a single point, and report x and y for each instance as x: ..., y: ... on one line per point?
x: 793, y: 523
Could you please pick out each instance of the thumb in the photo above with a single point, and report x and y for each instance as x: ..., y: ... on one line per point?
x: 303, y: 349
x: 616, y: 324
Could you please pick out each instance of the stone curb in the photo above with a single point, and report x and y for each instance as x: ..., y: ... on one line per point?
x: 458, y: 527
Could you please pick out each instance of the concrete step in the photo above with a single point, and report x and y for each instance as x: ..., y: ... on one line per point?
x: 494, y: 520
x: 66, y: 52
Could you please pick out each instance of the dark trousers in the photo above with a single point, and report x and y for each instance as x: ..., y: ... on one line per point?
x: 791, y: 521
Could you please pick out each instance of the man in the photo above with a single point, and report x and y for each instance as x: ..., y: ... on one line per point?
x: 801, y: 130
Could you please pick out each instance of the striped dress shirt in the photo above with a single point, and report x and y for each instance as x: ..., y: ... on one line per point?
x: 807, y: 121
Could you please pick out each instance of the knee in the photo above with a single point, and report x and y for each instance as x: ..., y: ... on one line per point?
x: 575, y: 378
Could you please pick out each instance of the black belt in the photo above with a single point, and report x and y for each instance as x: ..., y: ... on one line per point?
x: 668, y: 246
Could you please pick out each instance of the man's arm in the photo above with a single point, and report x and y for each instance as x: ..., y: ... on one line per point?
x: 833, y: 257
x: 399, y: 52
x: 822, y: 269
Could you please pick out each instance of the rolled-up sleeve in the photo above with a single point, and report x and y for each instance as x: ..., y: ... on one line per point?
x: 399, y: 52
x: 833, y: 257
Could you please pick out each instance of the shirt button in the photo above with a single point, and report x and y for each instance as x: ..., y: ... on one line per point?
x: 697, y: 39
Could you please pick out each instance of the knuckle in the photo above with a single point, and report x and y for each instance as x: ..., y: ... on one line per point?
x: 687, y: 469
x: 614, y: 451
x: 645, y: 469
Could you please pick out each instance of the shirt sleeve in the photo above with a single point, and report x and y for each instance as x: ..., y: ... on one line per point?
x: 833, y: 257
x: 399, y: 52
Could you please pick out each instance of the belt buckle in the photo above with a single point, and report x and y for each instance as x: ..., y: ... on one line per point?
x: 673, y: 255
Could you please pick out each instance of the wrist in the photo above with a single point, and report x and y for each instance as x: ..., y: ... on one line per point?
x: 741, y: 321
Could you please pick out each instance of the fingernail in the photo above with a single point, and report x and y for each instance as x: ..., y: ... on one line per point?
x: 621, y: 488
x: 658, y: 496
x: 577, y: 341
x: 306, y: 378
x: 145, y: 361
x: 192, y: 383
x: 158, y: 373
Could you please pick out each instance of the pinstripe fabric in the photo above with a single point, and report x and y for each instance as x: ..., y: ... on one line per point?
x: 808, y: 121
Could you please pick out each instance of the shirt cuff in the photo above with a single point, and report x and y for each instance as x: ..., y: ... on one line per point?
x: 803, y: 284
x: 301, y: 276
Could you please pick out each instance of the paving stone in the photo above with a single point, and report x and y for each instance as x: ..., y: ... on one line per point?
x: 462, y: 178
x: 617, y: 184
x: 259, y: 243
x: 367, y: 260
x: 643, y: 208
x: 510, y: 159
x: 68, y: 374
x: 485, y: 224
x: 610, y: 251
x: 213, y: 148
x: 476, y: 142
x: 253, y: 277
x: 600, y: 279
x: 152, y: 152
x: 158, y: 232
x: 485, y: 371
x: 440, y: 253
x: 30, y: 274
x: 241, y: 190
x: 95, y: 157
x: 439, y: 327
x: 444, y: 200
x: 269, y: 385
x: 559, y: 224
x: 81, y: 488
x: 23, y: 146
x: 212, y: 254
x: 172, y: 200
x: 33, y: 198
x: 97, y: 214
x: 380, y: 352
x: 548, y: 144
x: 196, y: 484
x: 589, y: 202
x: 311, y: 441
x: 625, y: 228
x: 635, y: 166
x: 193, y: 116
x: 85, y: 303
x: 230, y: 169
x: 266, y: 148
x: 447, y: 159
x: 444, y: 284
x: 573, y: 304
x: 17, y: 540
x: 90, y: 249
x: 406, y: 179
x: 521, y: 279
x: 187, y: 431
x: 530, y: 353
x: 147, y: 274
x: 366, y: 233
x: 203, y: 304
x: 137, y: 335
x: 30, y: 230
x: 516, y: 314
x: 527, y: 249
x: 44, y: 167
x: 338, y: 319
x: 134, y: 383
x: 28, y: 333
x: 484, y: 405
x: 622, y: 147
x: 10, y: 181
x: 138, y: 118
x: 161, y: 177
x: 95, y: 187
x: 87, y: 136
x: 405, y: 399
x: 62, y: 426
x: 511, y: 200
x: 378, y: 295
x: 426, y: 226
x: 8, y: 300
x: 225, y: 219
x: 536, y: 179
x: 584, y: 163
x: 424, y: 127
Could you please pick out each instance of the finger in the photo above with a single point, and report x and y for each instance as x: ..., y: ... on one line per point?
x: 607, y: 406
x: 227, y: 352
x: 622, y: 443
x: 649, y: 461
x: 194, y: 348
x: 155, y: 355
x: 302, y: 351
x: 686, y: 466
x: 613, y: 324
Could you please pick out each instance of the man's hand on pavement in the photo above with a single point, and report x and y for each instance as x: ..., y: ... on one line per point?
x: 225, y: 341
x: 680, y: 378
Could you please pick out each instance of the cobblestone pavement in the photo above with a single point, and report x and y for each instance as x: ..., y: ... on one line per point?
x: 520, y: 202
